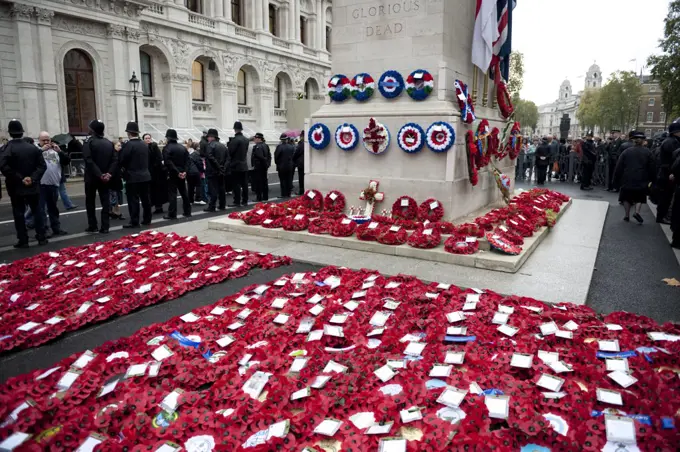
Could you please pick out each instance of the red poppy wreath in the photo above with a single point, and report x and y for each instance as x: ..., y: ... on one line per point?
x: 312, y: 199
x: 430, y: 209
x: 370, y: 231
x: 320, y: 225
x: 405, y: 208
x: 460, y: 244
x: 394, y: 235
x: 343, y: 227
x: 334, y: 202
x: 297, y: 222
x: 425, y: 238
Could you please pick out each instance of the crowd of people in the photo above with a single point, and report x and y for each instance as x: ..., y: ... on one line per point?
x: 637, y: 167
x: 201, y: 173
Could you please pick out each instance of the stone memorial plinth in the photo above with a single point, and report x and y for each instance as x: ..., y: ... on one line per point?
x: 405, y: 35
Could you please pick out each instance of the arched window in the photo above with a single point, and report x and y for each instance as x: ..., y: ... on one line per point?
x: 194, y: 5
x: 145, y: 70
x: 241, y: 88
x: 277, y: 92
x: 236, y: 12
x: 595, y: 75
x: 308, y: 90
x: 303, y: 30
x: 80, y: 95
x: 197, y: 84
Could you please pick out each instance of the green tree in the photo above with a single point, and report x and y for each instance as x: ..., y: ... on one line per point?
x: 666, y: 67
x: 526, y: 112
x: 516, y: 78
x: 619, y: 101
x: 589, y: 113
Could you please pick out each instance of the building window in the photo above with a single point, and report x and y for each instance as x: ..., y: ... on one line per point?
x: 80, y: 95
x: 272, y: 20
x: 197, y: 83
x: 194, y: 5
x: 662, y: 117
x: 650, y: 116
x: 594, y: 74
x: 652, y: 89
x: 277, y: 92
x: 145, y: 70
x: 648, y: 133
x: 651, y: 102
x: 328, y: 38
x: 241, y: 88
x: 236, y: 12
x: 308, y: 90
x: 303, y: 30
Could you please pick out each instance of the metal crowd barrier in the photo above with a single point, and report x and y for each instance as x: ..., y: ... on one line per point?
x: 569, y: 169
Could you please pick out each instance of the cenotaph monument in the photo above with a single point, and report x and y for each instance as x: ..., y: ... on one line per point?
x: 410, y: 37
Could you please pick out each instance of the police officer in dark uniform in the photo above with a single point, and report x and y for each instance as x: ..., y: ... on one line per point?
x: 176, y: 158
x: 261, y: 161
x: 238, y: 164
x: 134, y: 161
x: 614, y: 152
x: 216, y: 161
x: 588, y: 162
x: 101, y: 165
x: 299, y: 162
x: 665, y: 182
x: 23, y: 166
x: 283, y: 156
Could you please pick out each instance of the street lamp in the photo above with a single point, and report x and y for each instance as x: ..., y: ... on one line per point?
x: 134, y: 81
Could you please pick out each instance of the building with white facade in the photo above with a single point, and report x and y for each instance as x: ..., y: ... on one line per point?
x: 550, y: 115
x: 200, y: 63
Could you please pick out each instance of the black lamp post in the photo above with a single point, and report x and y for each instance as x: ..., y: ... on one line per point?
x: 134, y: 81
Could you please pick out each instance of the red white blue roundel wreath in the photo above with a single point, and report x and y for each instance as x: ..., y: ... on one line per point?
x: 346, y: 137
x: 319, y: 136
x: 440, y: 136
x: 339, y: 88
x: 363, y: 87
x: 391, y: 84
x: 411, y: 138
x: 419, y: 84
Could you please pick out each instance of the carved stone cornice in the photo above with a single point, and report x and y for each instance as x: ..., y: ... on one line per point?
x: 175, y: 77
x: 263, y: 90
x: 21, y: 12
x: 79, y: 26
x: 132, y: 34
x: 125, y: 8
x: 224, y: 84
x: 44, y: 16
x: 115, y: 31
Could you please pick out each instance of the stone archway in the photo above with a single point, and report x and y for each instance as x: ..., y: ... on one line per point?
x: 311, y: 88
x: 156, y: 92
x: 81, y: 103
x: 283, y: 95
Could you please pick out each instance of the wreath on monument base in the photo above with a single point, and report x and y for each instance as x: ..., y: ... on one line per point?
x: 461, y: 244
x: 425, y: 238
x: 334, y: 202
x: 440, y: 136
x: 394, y: 235
x: 297, y: 222
x: 346, y: 137
x: 502, y: 245
x: 343, y: 227
x: 370, y: 231
x: 376, y: 137
x: 312, y: 199
x: 405, y: 208
x: 391, y: 84
x: 431, y: 210
x: 411, y: 138
x: 467, y: 108
x: 362, y: 87
x: 339, y: 88
x: 419, y: 84
x: 471, y: 148
x: 319, y: 136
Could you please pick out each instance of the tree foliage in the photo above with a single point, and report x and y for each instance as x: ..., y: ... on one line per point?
x: 666, y: 67
x: 614, y: 106
x: 526, y: 112
x: 589, y: 113
x: 516, y: 78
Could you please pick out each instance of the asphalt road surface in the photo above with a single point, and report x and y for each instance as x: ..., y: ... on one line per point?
x: 75, y: 222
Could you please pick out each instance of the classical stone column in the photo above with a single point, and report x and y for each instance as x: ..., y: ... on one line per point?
x: 226, y: 9
x: 218, y: 8
x: 296, y: 20
x: 27, y: 74
x: 227, y: 113
x: 265, y: 14
x: 49, y: 102
x: 266, y: 98
x: 120, y: 93
x: 180, y: 99
x: 322, y: 28
x: 284, y: 22
x: 257, y: 15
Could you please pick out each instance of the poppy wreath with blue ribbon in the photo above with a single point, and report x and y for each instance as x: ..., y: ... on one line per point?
x: 391, y: 84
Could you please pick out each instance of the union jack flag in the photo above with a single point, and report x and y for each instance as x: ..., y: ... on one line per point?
x: 503, y: 45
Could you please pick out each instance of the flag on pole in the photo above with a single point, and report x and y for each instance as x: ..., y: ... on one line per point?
x: 502, y: 47
x: 484, y: 34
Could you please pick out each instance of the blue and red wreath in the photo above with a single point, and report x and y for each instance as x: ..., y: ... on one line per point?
x: 391, y: 84
x: 339, y: 88
x: 346, y: 136
x: 411, y: 138
x: 362, y: 87
x: 419, y: 84
x: 440, y: 136
x: 319, y: 136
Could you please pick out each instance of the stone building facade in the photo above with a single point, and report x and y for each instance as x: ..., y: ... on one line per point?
x: 200, y: 63
x: 651, y: 115
x: 550, y: 115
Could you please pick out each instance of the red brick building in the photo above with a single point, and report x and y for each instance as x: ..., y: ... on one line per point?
x: 651, y: 117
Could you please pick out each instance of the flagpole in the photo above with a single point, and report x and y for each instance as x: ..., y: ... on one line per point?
x: 475, y: 76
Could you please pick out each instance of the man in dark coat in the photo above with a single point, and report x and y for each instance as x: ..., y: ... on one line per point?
x: 675, y: 214
x: 633, y: 174
x: 543, y: 158
x: 134, y: 160
x: 299, y: 162
x: 23, y: 166
x: 176, y: 158
x: 554, y: 153
x: 216, y: 162
x: 665, y: 183
x: 261, y: 161
x: 194, y: 176
x: 588, y: 160
x: 101, y: 166
x: 238, y: 154
x: 159, y: 187
x: 614, y: 152
x: 283, y: 156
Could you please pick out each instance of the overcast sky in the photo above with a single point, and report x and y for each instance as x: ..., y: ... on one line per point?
x: 563, y: 38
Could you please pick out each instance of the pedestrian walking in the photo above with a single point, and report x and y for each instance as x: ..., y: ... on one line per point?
x: 23, y: 166
x: 261, y: 161
x: 216, y: 162
x: 543, y: 158
x: 159, y: 175
x: 665, y: 184
x: 101, y: 164
x: 134, y: 162
x: 299, y: 162
x: 283, y: 156
x: 49, y: 184
x: 633, y: 175
x: 588, y: 159
x: 177, y: 161
x: 238, y: 154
